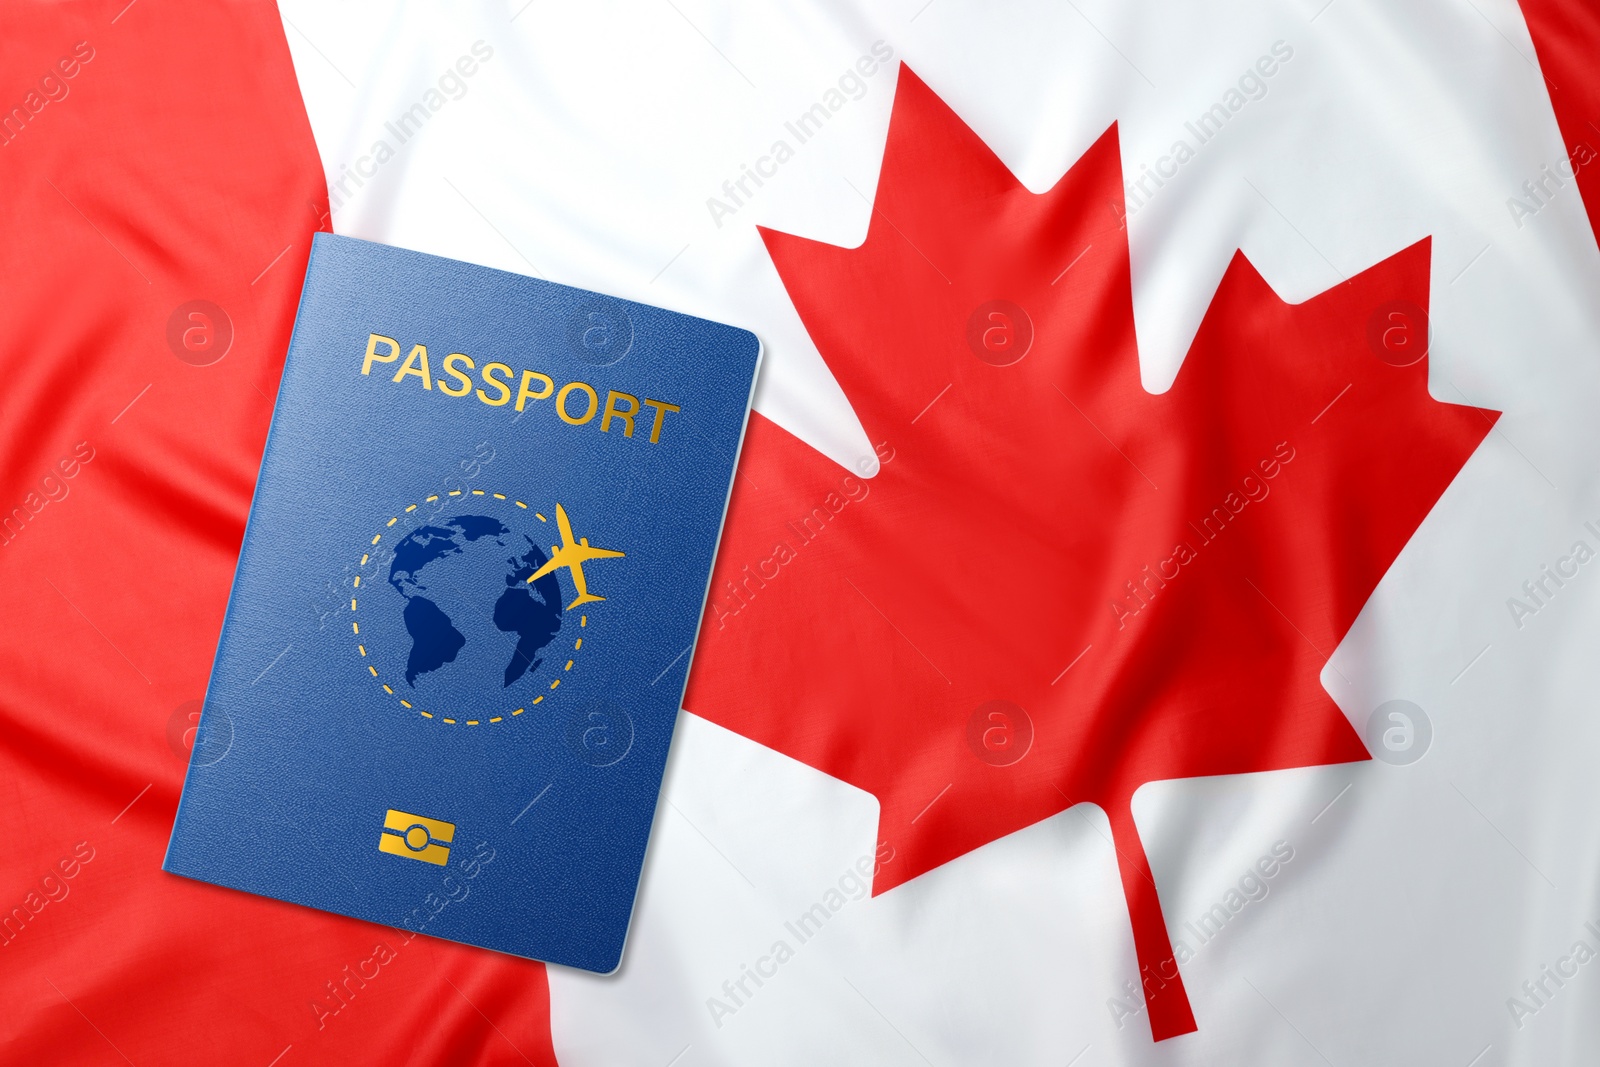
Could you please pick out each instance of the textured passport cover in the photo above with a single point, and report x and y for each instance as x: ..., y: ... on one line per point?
x: 465, y: 606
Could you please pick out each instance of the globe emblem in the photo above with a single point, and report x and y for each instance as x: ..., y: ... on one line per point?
x: 464, y: 574
x: 458, y: 613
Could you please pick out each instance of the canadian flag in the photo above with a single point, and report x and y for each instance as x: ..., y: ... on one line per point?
x: 1154, y: 619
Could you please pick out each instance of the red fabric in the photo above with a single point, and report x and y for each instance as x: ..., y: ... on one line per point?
x: 1152, y: 584
x: 1566, y: 37
x: 175, y: 164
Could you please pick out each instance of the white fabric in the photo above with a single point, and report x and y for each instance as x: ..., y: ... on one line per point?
x: 585, y: 150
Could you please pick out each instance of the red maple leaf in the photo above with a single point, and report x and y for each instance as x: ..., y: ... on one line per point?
x: 1060, y: 587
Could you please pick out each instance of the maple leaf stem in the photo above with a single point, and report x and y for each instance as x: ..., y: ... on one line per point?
x: 1164, y: 995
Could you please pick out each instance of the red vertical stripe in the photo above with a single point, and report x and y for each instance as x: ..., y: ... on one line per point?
x: 154, y: 154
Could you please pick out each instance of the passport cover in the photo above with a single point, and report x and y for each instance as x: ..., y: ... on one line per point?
x: 466, y: 603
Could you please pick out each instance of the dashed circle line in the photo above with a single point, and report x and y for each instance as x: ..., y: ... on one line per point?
x: 355, y: 626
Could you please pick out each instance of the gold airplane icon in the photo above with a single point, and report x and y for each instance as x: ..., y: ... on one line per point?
x: 573, y: 554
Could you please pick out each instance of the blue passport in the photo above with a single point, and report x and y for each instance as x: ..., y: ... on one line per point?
x: 466, y: 603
